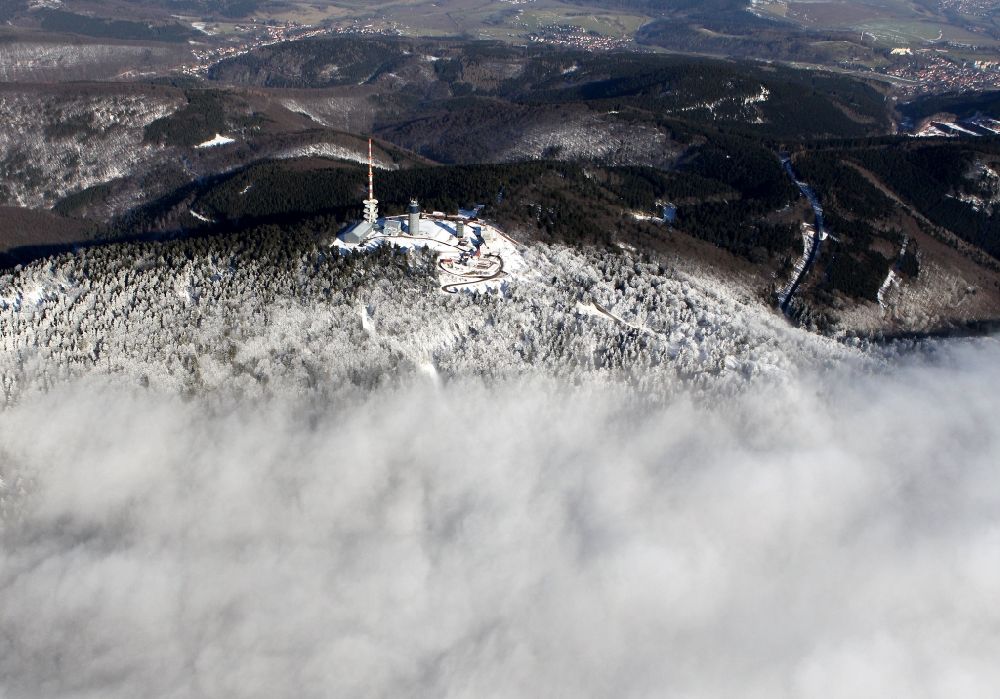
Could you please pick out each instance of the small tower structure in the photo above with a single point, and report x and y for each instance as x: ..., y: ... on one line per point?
x: 413, y: 226
x: 371, y: 203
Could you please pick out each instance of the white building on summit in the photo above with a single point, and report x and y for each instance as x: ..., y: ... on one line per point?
x: 471, y: 254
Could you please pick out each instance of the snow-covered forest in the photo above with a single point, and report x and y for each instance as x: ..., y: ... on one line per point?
x: 82, y: 140
x: 269, y: 311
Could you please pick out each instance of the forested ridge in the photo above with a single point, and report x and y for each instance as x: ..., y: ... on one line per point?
x: 797, y: 104
x: 59, y: 20
x: 721, y: 196
x: 938, y: 179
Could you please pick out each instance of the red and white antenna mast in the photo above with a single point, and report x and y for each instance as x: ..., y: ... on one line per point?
x: 371, y: 203
x: 371, y: 174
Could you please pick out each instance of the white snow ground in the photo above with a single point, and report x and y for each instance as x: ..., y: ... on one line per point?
x: 808, y: 233
x: 200, y: 217
x: 27, y: 61
x: 592, y: 137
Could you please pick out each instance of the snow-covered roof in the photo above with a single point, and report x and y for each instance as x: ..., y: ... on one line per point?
x: 356, y: 233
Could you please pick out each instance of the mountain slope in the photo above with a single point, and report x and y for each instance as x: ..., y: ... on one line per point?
x: 270, y: 311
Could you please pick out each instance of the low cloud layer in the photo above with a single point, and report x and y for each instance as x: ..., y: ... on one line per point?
x: 836, y: 536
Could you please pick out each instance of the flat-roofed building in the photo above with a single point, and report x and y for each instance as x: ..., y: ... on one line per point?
x: 358, y: 232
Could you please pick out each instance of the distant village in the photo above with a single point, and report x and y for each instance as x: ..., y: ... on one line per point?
x: 257, y: 34
x: 932, y: 70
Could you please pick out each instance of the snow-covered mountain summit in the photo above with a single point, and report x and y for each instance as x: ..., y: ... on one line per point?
x: 269, y: 314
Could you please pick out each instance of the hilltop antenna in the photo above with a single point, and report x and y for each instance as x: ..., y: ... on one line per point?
x: 371, y: 174
x: 371, y: 203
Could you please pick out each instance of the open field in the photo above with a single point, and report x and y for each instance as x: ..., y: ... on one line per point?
x: 918, y: 33
x: 604, y: 23
x: 889, y: 23
x: 478, y: 17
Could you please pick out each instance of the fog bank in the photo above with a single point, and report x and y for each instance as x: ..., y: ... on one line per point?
x: 831, y: 537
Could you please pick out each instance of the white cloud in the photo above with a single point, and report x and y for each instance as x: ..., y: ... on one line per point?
x: 834, y: 536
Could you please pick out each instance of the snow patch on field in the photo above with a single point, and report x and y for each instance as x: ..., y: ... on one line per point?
x: 346, y: 113
x: 731, y: 101
x: 216, y: 141
x: 987, y: 123
x: 931, y: 131
x: 962, y: 129
x: 890, y: 279
x: 951, y: 129
x: 975, y: 201
x: 200, y: 217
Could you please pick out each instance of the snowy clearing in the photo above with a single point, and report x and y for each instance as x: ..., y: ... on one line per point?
x: 200, y: 217
x: 219, y: 140
x: 331, y: 150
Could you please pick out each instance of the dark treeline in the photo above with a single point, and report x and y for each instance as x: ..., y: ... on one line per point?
x: 845, y: 190
x: 70, y: 22
x: 961, y: 105
x: 858, y: 214
x: 308, y: 63
x: 940, y: 181
x: 929, y: 177
x: 797, y: 104
x: 857, y: 275
x: 639, y: 186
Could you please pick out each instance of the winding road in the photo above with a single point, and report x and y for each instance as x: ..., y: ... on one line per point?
x: 472, y: 278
